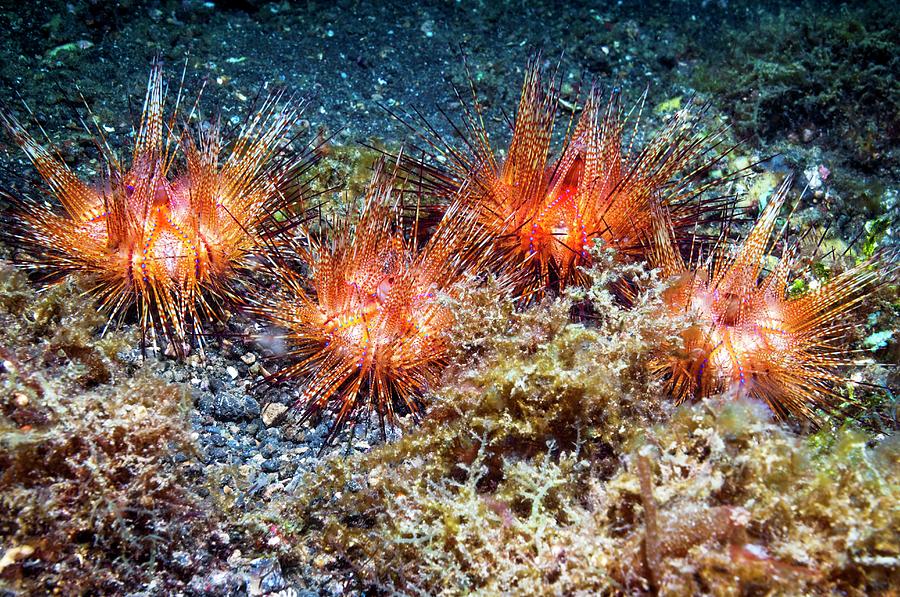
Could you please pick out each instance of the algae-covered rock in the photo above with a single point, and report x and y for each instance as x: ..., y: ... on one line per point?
x: 551, y: 465
x: 816, y: 519
x: 91, y: 499
x: 508, y: 457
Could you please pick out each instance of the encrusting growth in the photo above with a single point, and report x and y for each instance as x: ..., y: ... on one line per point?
x: 365, y: 326
x: 748, y: 335
x: 169, y: 241
x: 543, y: 212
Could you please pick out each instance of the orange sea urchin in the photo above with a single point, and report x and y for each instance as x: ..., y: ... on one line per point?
x: 168, y: 242
x: 371, y: 331
x: 544, y: 213
x: 748, y: 335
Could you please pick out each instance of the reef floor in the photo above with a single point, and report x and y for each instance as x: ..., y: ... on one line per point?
x: 128, y: 473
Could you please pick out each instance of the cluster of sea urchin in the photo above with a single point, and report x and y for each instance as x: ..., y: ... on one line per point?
x: 542, y: 215
x: 166, y: 239
x: 360, y: 306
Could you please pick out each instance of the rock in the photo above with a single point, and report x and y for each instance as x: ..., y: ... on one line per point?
x: 206, y: 404
x: 271, y: 412
x: 231, y: 371
x: 13, y: 554
x: 249, y: 358
x: 182, y: 560
x: 295, y: 434
x: 287, y: 471
x: 228, y: 407
x: 265, y: 577
x: 271, y: 465
x: 217, y: 582
x: 194, y: 470
x: 251, y: 407
x: 271, y: 489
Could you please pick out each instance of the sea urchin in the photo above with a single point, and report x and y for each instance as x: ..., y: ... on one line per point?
x: 748, y: 334
x: 368, y: 331
x: 544, y: 213
x: 169, y: 242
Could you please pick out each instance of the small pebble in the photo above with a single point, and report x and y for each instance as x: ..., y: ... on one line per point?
x: 271, y: 412
x: 265, y: 577
x: 271, y: 466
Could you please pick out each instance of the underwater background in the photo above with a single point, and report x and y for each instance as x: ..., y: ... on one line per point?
x: 547, y: 443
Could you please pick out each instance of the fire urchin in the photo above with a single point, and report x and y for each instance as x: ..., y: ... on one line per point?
x: 169, y: 239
